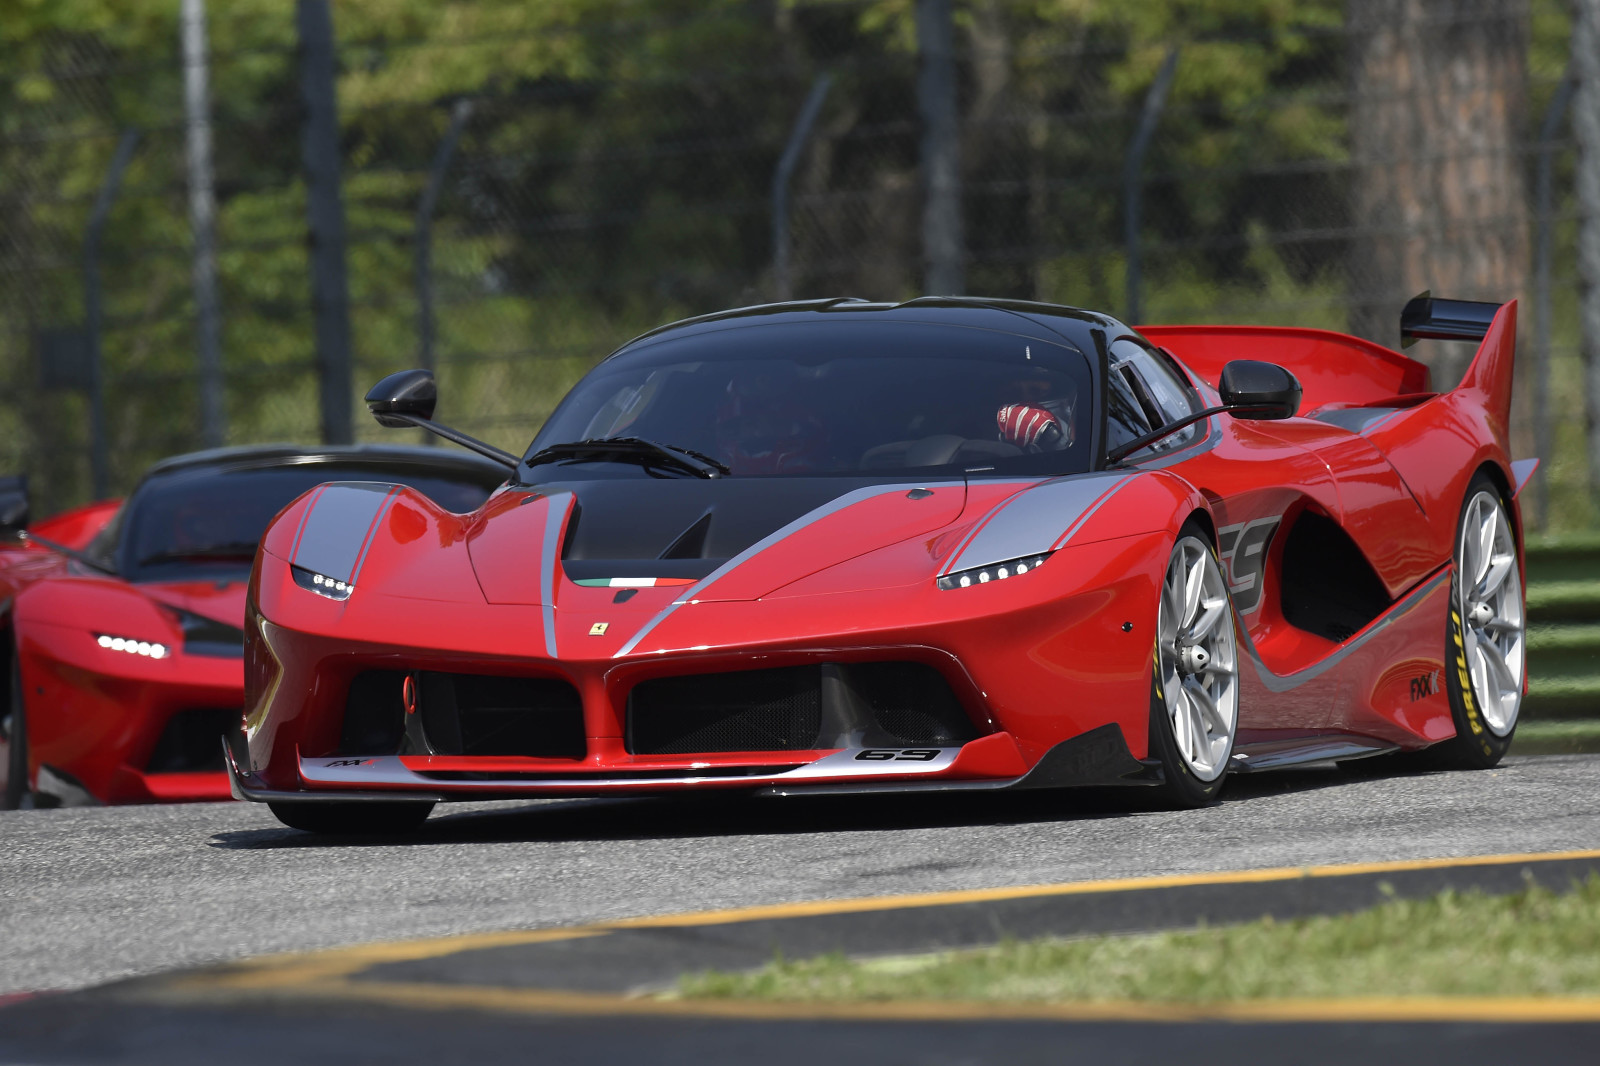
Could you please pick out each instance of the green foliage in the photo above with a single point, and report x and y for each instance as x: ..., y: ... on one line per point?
x: 1532, y: 943
x: 615, y: 173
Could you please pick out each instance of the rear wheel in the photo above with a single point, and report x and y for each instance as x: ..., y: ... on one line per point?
x: 352, y: 819
x: 1194, y: 695
x: 1485, y: 647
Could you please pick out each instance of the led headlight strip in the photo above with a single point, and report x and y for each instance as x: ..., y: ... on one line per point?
x: 147, y: 648
x: 321, y: 584
x: 993, y: 572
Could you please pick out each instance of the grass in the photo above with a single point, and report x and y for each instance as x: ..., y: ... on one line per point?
x: 1557, y: 738
x: 1531, y: 943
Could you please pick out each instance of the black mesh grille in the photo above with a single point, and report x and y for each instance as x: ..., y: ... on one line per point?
x: 910, y: 703
x: 478, y: 714
x: 754, y: 710
x: 374, y: 714
x: 189, y: 743
x: 797, y: 708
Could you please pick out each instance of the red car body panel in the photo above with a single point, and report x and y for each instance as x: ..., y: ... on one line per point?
x: 97, y: 715
x: 1035, y: 663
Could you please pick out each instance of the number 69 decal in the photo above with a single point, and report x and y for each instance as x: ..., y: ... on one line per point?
x: 897, y: 755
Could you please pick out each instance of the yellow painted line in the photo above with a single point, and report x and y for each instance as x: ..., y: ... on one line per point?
x: 323, y: 971
x: 1356, y: 1009
x: 1077, y: 888
x: 304, y: 969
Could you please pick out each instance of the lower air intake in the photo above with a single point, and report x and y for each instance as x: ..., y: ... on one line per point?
x: 796, y: 708
x: 754, y: 710
x: 481, y: 714
x: 188, y: 743
x: 374, y: 714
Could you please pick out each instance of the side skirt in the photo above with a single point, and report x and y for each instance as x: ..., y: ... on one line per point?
x: 1282, y: 754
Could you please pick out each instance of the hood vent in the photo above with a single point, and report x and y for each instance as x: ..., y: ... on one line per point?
x: 691, y: 543
x: 644, y: 527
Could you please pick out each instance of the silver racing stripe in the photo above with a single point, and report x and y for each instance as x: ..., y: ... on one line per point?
x: 1035, y: 520
x: 555, y: 516
x: 339, y: 525
x: 834, y: 506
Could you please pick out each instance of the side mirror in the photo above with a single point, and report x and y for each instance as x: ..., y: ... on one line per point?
x: 410, y: 394
x: 13, y: 506
x: 1256, y: 390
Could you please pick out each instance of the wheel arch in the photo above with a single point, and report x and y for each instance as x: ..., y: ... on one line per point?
x: 1508, y: 494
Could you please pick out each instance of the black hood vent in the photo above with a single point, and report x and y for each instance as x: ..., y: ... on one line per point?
x: 691, y: 543
x: 682, y: 527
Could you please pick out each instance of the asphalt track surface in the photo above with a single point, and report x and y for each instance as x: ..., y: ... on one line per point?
x: 93, y: 895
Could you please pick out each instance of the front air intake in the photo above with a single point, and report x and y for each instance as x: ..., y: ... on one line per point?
x: 188, y: 742
x: 796, y: 708
x: 753, y: 710
x: 484, y: 714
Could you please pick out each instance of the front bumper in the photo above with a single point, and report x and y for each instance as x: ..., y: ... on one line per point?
x: 96, y: 718
x: 1097, y: 758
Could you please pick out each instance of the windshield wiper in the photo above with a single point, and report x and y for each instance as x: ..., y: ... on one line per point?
x: 632, y: 449
x: 237, y: 552
x: 71, y: 553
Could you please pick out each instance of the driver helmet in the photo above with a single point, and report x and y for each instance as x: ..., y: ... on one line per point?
x: 764, y: 426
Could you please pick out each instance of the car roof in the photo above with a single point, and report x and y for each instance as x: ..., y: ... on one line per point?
x: 1050, y: 322
x: 271, y: 455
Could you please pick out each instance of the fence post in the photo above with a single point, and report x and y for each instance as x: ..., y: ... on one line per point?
x: 943, y: 239
x: 798, y: 136
x: 1132, y: 186
x: 1543, y: 432
x: 423, y: 243
x: 202, y: 222
x: 99, y: 465
x: 330, y: 289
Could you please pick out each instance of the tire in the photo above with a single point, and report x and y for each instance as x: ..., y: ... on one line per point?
x: 16, y: 790
x: 352, y: 819
x: 1194, y: 685
x: 1485, y: 634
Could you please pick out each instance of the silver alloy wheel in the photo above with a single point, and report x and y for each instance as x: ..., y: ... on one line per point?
x: 1197, y: 657
x: 1489, y: 602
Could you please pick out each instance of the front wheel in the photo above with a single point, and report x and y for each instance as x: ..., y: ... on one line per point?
x: 352, y: 818
x: 1194, y: 694
x: 1485, y: 634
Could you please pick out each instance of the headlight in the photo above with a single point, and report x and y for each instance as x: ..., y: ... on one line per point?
x: 147, y: 648
x: 993, y: 572
x: 321, y: 584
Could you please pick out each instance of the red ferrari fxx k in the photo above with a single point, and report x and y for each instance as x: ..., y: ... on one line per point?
x: 121, y: 621
x: 949, y: 544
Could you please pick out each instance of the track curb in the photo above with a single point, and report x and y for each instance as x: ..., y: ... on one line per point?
x: 610, y: 968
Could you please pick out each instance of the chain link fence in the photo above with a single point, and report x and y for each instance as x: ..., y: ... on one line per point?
x: 593, y: 178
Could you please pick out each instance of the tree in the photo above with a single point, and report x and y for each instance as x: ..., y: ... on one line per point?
x: 1438, y: 199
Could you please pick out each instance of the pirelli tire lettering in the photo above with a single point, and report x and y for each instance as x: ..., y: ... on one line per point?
x: 1464, y: 678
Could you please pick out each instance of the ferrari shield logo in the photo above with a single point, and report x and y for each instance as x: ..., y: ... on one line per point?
x: 598, y: 629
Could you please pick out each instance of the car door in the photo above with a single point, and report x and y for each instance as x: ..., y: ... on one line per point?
x: 1253, y: 477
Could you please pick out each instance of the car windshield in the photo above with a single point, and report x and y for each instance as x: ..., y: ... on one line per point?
x: 205, y: 522
x: 829, y: 398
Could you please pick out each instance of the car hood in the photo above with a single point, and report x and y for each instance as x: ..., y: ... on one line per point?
x: 728, y: 538
x: 220, y: 601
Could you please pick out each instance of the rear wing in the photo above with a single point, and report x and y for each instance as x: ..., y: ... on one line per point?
x: 1426, y: 318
